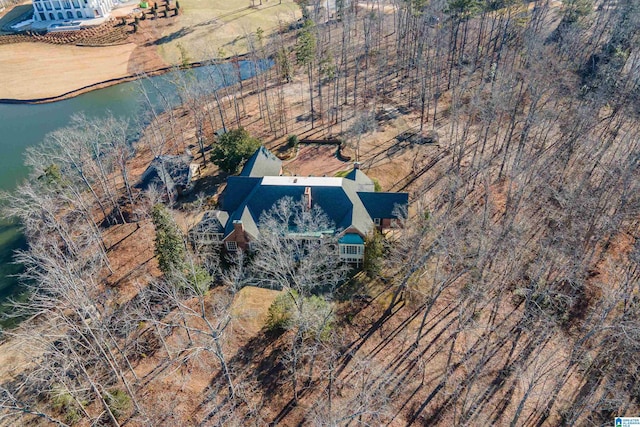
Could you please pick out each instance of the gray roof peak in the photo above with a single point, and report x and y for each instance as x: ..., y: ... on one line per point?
x: 262, y: 163
x: 361, y: 179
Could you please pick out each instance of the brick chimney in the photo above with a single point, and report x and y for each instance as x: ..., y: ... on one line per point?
x: 238, y: 227
x: 307, y: 197
x: 356, y: 165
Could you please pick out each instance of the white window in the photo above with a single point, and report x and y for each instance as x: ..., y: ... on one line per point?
x: 351, y: 249
x: 232, y: 246
x: 212, y: 237
x: 377, y: 221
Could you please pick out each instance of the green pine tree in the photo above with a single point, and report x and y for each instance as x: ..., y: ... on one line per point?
x: 169, y: 244
x: 233, y: 148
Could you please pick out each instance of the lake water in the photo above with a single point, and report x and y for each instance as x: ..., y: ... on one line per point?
x: 23, y: 125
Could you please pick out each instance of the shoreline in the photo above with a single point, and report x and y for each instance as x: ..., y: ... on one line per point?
x: 116, y: 81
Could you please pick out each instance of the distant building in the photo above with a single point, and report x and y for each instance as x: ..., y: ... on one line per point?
x: 350, y: 203
x: 62, y: 10
x: 172, y: 175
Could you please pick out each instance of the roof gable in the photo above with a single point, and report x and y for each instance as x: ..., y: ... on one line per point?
x: 361, y: 179
x: 170, y: 171
x: 212, y: 222
x: 262, y: 163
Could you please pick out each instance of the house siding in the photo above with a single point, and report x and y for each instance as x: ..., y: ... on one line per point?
x: 240, y: 237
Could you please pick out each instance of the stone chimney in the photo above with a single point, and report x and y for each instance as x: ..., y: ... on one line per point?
x: 356, y: 165
x: 307, y: 197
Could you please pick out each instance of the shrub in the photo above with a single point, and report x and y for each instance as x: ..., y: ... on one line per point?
x: 199, y: 279
x: 317, y: 318
x: 280, y: 313
x: 118, y: 401
x: 52, y: 175
x: 292, y: 141
x: 313, y: 317
x: 63, y: 402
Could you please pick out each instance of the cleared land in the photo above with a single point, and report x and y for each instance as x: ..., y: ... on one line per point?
x: 209, y: 29
x: 203, y: 30
x: 38, y: 70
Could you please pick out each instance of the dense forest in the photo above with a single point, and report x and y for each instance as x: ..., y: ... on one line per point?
x: 508, y: 296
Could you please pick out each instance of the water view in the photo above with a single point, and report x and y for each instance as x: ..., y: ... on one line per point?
x: 23, y: 125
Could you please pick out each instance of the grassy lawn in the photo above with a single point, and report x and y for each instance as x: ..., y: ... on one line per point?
x: 207, y: 28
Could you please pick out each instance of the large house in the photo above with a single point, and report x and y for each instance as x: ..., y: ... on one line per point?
x: 61, y: 10
x: 350, y: 203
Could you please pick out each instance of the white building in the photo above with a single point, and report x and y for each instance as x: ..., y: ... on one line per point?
x: 61, y: 10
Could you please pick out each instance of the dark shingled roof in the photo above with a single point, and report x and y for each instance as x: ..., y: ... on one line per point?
x: 382, y: 205
x: 237, y: 190
x: 339, y: 202
x: 212, y: 222
x: 262, y: 163
x: 364, y: 182
x: 343, y: 200
x: 332, y: 200
x: 170, y: 171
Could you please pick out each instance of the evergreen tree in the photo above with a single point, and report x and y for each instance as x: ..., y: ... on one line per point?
x: 305, y: 54
x: 233, y: 148
x: 169, y: 244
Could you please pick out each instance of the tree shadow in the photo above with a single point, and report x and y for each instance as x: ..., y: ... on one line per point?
x: 170, y: 37
x: 267, y: 372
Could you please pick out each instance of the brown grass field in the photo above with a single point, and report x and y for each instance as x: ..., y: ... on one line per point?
x: 39, y: 70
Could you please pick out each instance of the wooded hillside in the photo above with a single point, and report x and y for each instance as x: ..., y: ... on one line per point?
x: 508, y: 297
